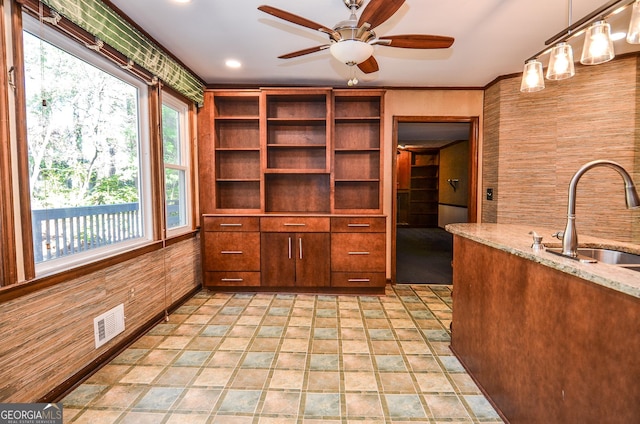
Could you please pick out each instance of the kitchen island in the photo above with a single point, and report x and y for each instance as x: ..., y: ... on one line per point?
x: 547, y: 338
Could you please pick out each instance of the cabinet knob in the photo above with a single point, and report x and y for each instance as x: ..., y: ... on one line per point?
x: 294, y: 224
x: 230, y: 280
x: 231, y: 252
x: 359, y: 280
x: 231, y: 225
x: 358, y: 225
x: 359, y: 253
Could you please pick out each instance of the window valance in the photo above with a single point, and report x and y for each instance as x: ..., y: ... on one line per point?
x: 98, y: 19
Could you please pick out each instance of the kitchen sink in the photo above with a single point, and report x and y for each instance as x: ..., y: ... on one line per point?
x: 607, y: 256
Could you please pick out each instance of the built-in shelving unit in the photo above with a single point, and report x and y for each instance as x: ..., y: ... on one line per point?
x: 297, y: 144
x: 237, y: 151
x: 357, y: 156
x: 291, y: 151
x: 291, y: 189
x: 423, y: 194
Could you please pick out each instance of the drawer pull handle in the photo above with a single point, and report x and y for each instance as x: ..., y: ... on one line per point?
x: 294, y: 224
x: 358, y: 225
x: 359, y: 280
x: 231, y: 225
x: 231, y: 252
x: 359, y: 253
x: 235, y: 280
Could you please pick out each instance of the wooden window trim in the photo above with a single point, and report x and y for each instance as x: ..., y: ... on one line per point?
x: 8, y: 270
x: 33, y: 283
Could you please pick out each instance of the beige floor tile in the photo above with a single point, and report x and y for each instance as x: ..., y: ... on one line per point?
x: 142, y: 374
x: 323, y: 351
x: 286, y: 379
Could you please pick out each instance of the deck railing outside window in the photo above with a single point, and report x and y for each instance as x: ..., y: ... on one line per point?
x: 65, y: 231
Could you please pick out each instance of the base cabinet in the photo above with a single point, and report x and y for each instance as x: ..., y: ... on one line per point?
x: 231, y: 247
x: 295, y: 259
x: 299, y: 253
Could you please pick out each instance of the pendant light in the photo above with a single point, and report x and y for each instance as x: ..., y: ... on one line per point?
x: 598, y: 46
x: 633, y: 34
x: 561, y: 57
x: 561, y: 62
x: 532, y: 77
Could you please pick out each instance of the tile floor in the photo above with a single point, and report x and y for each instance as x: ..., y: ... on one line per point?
x: 290, y: 358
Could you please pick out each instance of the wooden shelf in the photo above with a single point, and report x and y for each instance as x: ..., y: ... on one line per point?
x: 313, y: 150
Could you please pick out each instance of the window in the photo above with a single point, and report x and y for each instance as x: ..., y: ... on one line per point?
x: 88, y: 152
x: 175, y: 143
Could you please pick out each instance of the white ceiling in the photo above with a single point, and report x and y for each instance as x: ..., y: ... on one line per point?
x: 493, y: 38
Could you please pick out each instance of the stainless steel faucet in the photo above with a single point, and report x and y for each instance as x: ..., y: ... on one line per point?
x: 570, y: 236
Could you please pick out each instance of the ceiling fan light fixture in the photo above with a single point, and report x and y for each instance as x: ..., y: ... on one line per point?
x: 351, y: 52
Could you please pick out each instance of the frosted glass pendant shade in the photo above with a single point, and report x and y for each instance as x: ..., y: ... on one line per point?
x: 598, y: 46
x: 561, y: 62
x: 351, y: 52
x: 633, y: 34
x: 532, y: 77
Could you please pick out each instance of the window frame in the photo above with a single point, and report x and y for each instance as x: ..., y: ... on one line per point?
x: 184, y: 108
x: 70, y: 46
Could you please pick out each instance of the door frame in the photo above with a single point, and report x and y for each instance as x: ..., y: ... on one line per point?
x: 472, y: 201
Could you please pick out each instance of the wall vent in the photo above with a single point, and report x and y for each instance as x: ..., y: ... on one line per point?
x: 108, y: 325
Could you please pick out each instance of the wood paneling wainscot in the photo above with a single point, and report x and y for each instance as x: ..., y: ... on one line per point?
x: 46, y: 337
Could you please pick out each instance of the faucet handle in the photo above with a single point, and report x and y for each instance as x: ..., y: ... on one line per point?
x: 537, y: 241
x: 559, y: 235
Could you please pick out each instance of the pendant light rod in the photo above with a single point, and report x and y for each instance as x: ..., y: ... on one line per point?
x: 605, y: 9
x: 602, y: 12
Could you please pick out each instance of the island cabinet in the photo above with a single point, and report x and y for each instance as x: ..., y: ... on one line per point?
x: 287, y: 155
x: 544, y: 345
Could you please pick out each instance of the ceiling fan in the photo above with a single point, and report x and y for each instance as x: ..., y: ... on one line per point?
x: 351, y: 41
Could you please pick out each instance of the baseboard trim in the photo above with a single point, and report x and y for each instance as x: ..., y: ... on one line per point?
x: 81, y: 376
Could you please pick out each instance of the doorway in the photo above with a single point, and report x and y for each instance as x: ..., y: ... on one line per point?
x: 434, y: 184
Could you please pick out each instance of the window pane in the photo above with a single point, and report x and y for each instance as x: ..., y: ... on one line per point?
x: 171, y: 134
x: 84, y: 167
x: 175, y: 197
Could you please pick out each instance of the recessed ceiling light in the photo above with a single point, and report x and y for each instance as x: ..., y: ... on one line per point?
x: 232, y: 63
x: 182, y: 1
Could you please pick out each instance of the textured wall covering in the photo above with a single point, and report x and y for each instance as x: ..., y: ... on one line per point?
x: 47, y: 336
x: 534, y: 143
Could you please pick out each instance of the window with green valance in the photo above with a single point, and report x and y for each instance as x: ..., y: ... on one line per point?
x: 97, y: 18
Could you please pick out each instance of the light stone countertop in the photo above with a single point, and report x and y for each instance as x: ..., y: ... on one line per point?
x: 515, y: 239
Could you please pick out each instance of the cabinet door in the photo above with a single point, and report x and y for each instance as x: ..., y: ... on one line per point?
x: 277, y: 259
x: 312, y: 259
x: 295, y: 259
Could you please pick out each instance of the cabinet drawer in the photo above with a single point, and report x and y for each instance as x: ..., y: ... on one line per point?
x: 237, y: 251
x: 295, y: 224
x: 231, y: 223
x: 231, y: 279
x: 358, y: 252
x: 358, y: 224
x: 358, y: 279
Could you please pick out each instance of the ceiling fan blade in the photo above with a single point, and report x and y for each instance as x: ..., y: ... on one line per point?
x: 290, y: 17
x: 369, y: 66
x: 303, y: 52
x: 378, y: 11
x: 417, y: 41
